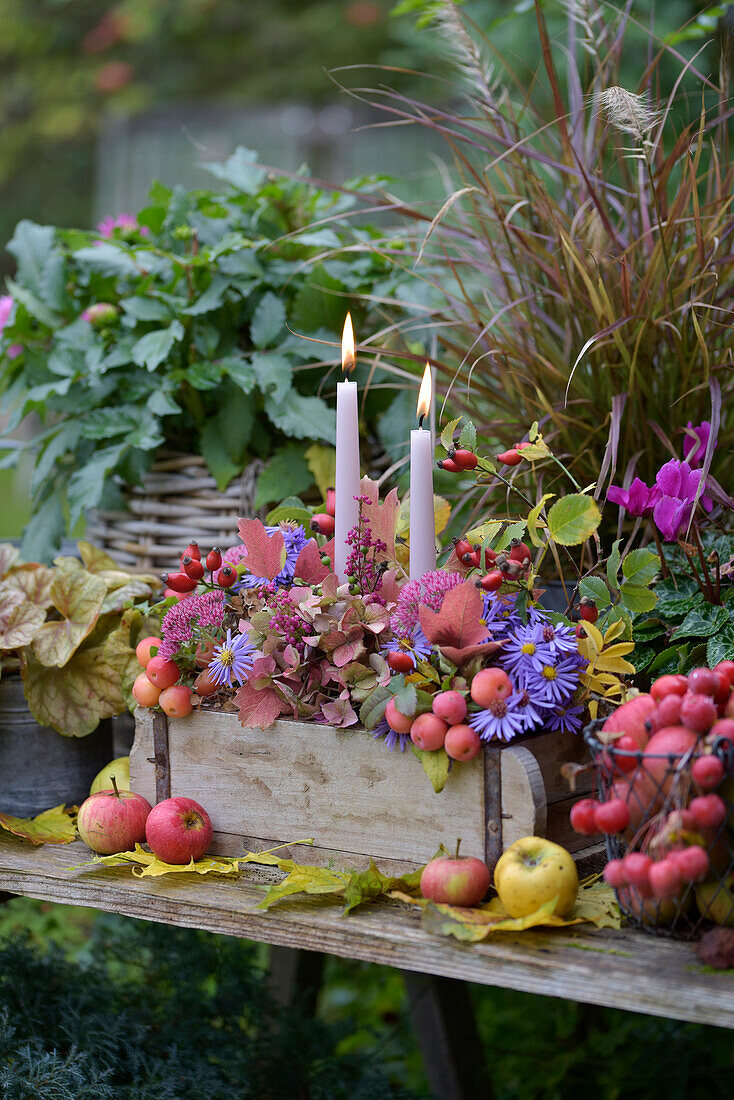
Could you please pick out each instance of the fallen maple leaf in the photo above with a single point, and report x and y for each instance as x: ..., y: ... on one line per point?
x: 265, y: 553
x: 54, y: 826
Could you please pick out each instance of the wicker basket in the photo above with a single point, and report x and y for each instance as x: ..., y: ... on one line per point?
x: 177, y: 501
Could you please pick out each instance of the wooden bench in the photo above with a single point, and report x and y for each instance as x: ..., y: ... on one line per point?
x: 625, y: 969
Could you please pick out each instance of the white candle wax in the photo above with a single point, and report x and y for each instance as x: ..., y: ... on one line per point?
x: 347, y: 472
x: 422, y: 524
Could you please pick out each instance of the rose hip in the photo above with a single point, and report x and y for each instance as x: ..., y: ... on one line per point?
x: 491, y: 581
x: 400, y: 661
x: 465, y: 460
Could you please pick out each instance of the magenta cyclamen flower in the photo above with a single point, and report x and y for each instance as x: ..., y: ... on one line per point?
x: 177, y: 629
x: 638, y: 500
x: 694, y: 449
x: 678, y: 485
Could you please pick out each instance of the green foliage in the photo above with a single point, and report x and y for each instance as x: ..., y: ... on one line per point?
x: 195, y: 339
x: 161, y: 1014
x: 684, y: 629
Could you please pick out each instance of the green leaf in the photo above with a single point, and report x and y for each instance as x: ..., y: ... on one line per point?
x: 406, y: 700
x: 87, y: 484
x: 273, y: 373
x: 240, y: 371
x: 720, y: 647
x: 468, y: 437
x: 146, y: 309
x: 293, y: 509
x: 613, y: 564
x: 641, y: 566
x: 32, y: 245
x: 704, y: 623
x: 110, y: 260
x: 151, y: 350
x: 447, y: 435
x: 54, y: 826
x: 393, y: 427
x: 677, y: 596
x: 670, y: 660
x: 239, y: 170
x: 286, y: 474
x: 216, y: 455
x: 573, y: 519
x: 594, y: 588
x: 373, y: 708
x: 641, y: 656
x: 203, y: 374
x: 514, y: 531
x: 235, y: 421
x: 211, y: 299
x: 319, y: 304
x: 303, y: 417
x: 268, y: 321
x: 322, y: 464
x: 32, y: 304
x: 636, y: 598
x: 435, y: 765
x: 44, y: 531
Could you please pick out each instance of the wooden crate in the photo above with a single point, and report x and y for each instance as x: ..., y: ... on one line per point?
x: 354, y: 797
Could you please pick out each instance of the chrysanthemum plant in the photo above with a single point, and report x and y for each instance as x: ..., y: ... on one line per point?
x: 443, y: 663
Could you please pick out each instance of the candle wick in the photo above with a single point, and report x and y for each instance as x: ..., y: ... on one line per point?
x: 421, y: 418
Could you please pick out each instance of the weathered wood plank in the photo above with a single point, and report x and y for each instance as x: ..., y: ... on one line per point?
x: 625, y: 969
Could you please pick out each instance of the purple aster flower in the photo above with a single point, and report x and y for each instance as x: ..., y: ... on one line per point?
x: 559, y: 638
x: 563, y: 719
x: 392, y: 739
x: 696, y: 442
x: 524, y: 649
x: 554, y: 684
x: 417, y: 647
x: 500, y: 614
x: 204, y: 609
x: 638, y: 500
x: 501, y: 720
x: 295, y: 539
x: 429, y: 590
x: 531, y: 714
x: 233, y: 658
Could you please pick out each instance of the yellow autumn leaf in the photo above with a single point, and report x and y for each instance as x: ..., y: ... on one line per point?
x: 618, y: 650
x: 593, y: 636
x: 441, y: 513
x: 614, y: 631
x: 54, y: 826
x: 533, y: 515
x: 614, y: 664
x: 145, y: 864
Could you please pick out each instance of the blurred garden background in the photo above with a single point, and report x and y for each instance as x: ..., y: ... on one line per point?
x: 98, y: 101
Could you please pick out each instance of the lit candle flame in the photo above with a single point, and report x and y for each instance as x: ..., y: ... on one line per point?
x: 348, y: 345
x: 424, y: 394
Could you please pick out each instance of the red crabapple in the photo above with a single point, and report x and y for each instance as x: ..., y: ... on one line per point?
x: 665, y: 878
x: 709, y: 811
x: 612, y: 817
x: 143, y: 648
x: 145, y: 693
x: 428, y: 732
x: 583, y: 815
x: 637, y: 872
x: 462, y: 742
x: 693, y: 862
x: 490, y: 685
x: 668, y: 685
x: 176, y: 701
x: 707, y: 772
x: 623, y: 750
x: 162, y: 672
x: 451, y: 706
x: 396, y: 720
x: 698, y: 712
x: 615, y: 874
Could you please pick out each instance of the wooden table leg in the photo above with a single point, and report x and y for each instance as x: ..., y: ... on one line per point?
x: 446, y: 1033
x: 295, y: 975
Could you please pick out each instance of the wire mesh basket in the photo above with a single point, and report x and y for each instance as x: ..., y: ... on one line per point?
x: 659, y: 790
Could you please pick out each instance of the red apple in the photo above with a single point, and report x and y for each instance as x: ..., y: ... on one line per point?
x: 178, y: 830
x: 113, y: 821
x: 455, y: 881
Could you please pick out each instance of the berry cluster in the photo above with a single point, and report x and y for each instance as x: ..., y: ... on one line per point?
x: 364, y: 570
x: 502, y: 567
x: 193, y: 571
x: 458, y: 459
x: 667, y: 779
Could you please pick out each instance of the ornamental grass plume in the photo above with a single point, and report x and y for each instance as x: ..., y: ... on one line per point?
x: 569, y: 283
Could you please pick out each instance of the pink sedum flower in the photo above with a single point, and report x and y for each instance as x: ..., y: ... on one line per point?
x: 205, y: 609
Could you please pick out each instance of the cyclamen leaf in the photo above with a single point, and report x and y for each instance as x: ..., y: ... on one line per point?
x: 265, y: 553
x: 54, y: 826
x: 705, y: 624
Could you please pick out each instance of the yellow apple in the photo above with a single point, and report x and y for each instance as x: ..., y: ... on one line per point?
x: 120, y: 768
x: 532, y: 872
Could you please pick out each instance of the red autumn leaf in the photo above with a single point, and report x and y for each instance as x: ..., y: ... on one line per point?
x: 458, y: 623
x: 460, y: 656
x: 309, y: 567
x: 258, y: 709
x: 265, y: 553
x: 382, y: 517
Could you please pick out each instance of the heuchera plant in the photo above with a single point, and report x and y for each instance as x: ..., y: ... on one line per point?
x: 70, y: 631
